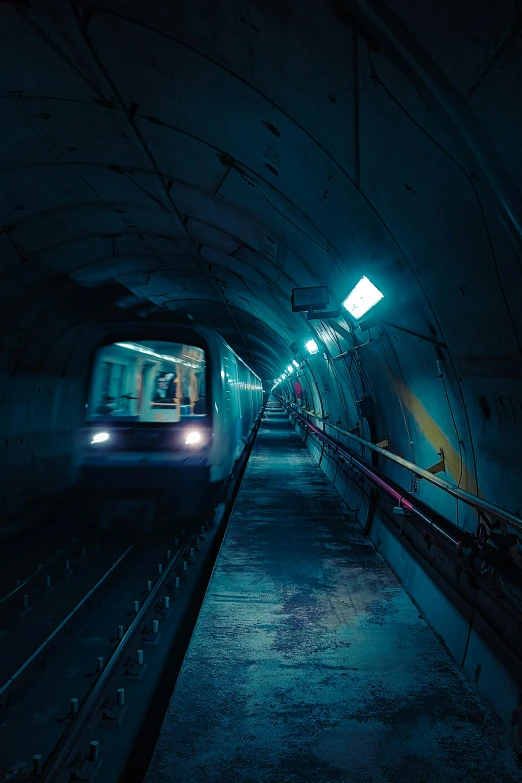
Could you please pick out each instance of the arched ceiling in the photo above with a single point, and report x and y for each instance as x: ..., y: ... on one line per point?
x: 210, y: 156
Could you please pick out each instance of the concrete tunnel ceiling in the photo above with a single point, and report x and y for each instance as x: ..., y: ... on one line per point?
x: 208, y: 157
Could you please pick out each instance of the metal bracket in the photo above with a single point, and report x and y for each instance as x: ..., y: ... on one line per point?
x: 313, y: 315
x: 438, y: 467
x: 344, y: 333
x: 383, y: 444
x: 401, y: 511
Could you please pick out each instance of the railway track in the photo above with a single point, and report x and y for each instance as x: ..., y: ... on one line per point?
x: 82, y: 703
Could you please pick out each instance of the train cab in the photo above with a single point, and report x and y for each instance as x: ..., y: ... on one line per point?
x: 165, y: 413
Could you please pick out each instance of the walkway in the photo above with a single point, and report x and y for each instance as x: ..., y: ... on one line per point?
x: 309, y: 662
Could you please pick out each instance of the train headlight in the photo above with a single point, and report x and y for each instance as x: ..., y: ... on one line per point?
x: 192, y: 438
x: 100, y: 437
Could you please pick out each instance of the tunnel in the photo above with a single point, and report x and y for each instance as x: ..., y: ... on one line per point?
x: 208, y: 163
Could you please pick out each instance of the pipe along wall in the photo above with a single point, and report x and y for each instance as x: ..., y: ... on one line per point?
x: 471, y: 598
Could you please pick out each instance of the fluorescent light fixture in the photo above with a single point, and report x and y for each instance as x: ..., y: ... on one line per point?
x: 100, y: 437
x: 290, y: 368
x: 362, y: 298
x: 311, y: 346
x: 296, y: 364
x: 149, y: 352
x: 193, y: 437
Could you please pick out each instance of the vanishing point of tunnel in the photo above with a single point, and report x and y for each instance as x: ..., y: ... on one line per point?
x: 261, y: 391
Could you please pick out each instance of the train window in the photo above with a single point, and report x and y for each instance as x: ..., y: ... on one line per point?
x: 148, y: 382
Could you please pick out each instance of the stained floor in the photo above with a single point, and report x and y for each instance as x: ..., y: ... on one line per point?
x: 309, y: 662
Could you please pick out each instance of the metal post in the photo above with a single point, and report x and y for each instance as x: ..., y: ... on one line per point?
x: 37, y: 763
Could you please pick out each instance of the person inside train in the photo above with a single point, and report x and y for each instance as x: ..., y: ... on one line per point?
x: 166, y: 388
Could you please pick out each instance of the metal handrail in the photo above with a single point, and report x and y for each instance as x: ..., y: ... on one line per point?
x: 461, y: 494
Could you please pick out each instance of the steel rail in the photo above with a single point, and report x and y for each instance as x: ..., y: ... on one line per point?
x: 57, y: 630
x: 69, y: 740
x: 38, y: 571
x: 460, y: 494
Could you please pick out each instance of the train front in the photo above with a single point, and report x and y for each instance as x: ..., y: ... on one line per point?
x: 148, y: 415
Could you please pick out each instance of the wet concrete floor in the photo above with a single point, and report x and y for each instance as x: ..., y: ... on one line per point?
x: 309, y: 662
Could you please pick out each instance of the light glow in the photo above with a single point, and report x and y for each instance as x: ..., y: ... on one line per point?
x: 362, y: 298
x: 100, y: 437
x: 192, y: 438
x: 296, y: 364
x: 149, y: 352
x: 290, y: 368
x: 311, y: 346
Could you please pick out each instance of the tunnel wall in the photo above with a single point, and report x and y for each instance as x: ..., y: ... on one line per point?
x: 48, y: 330
x: 490, y: 664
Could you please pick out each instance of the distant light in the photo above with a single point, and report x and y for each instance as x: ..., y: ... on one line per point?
x: 100, y: 437
x: 311, y: 346
x: 296, y: 364
x: 290, y: 368
x: 362, y: 298
x: 222, y: 373
x: 193, y: 437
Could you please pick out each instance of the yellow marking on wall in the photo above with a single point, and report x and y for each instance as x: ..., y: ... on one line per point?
x: 437, y: 438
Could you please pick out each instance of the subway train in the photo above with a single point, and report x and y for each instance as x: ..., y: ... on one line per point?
x: 173, y: 412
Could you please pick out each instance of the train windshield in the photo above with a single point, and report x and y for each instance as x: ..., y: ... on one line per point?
x: 148, y: 382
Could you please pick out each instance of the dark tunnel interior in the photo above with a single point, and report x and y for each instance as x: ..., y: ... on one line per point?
x: 181, y: 165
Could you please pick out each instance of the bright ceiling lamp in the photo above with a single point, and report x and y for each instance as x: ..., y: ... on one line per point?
x: 311, y: 346
x: 290, y: 368
x: 296, y: 364
x: 362, y: 298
